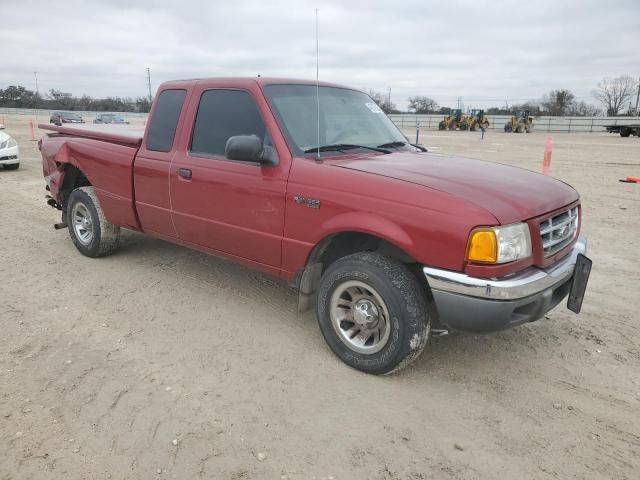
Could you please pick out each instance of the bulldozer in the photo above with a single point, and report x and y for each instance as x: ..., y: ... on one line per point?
x: 456, y: 121
x: 519, y: 123
x: 477, y: 119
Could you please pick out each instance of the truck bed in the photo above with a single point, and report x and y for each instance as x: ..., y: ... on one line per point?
x: 122, y: 134
x: 104, y: 154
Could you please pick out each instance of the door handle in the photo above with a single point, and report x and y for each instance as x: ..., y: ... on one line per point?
x: 185, y: 173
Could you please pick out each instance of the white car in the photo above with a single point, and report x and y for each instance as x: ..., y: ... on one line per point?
x: 8, y: 152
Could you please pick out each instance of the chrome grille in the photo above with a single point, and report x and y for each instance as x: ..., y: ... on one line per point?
x: 557, y: 232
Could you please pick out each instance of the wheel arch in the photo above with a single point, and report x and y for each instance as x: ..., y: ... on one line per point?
x: 73, y: 178
x: 341, y: 243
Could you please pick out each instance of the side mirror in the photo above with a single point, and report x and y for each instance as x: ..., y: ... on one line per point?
x: 250, y: 148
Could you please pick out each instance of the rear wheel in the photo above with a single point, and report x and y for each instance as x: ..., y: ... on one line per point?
x: 372, y: 313
x: 625, y: 132
x: 90, y: 231
x: 507, y: 127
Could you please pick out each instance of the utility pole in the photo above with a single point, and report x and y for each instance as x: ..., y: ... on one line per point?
x: 389, y: 100
x: 149, y: 83
x: 35, y: 74
x: 638, y: 98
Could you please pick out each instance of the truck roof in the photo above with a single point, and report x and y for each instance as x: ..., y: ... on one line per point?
x: 126, y: 134
x: 243, y: 81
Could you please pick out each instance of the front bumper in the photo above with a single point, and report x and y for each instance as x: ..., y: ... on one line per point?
x: 484, y: 305
x: 9, y: 156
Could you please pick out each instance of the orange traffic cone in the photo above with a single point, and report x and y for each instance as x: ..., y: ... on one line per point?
x: 631, y: 180
x: 548, y: 148
x: 33, y: 132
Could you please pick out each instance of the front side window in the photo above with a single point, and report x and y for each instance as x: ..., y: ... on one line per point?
x: 162, y: 130
x: 223, y: 114
x: 346, y: 117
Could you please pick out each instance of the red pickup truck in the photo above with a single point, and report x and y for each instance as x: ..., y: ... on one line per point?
x: 314, y: 184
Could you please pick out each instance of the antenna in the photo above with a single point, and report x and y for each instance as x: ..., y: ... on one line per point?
x: 317, y: 87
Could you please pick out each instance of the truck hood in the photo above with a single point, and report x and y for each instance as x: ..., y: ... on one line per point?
x: 510, y: 194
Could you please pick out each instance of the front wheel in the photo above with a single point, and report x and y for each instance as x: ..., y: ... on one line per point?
x: 90, y: 231
x: 373, y: 313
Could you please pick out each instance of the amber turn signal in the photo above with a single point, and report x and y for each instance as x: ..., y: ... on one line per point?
x: 483, y: 246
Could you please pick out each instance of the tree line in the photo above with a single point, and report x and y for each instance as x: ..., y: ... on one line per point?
x: 614, y: 97
x: 16, y: 96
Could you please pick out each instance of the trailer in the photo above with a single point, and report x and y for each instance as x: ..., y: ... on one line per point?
x: 624, y: 130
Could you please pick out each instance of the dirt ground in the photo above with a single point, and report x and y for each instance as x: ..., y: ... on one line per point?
x: 161, y: 362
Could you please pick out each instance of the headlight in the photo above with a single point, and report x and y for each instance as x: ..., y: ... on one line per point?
x: 11, y: 143
x: 499, y: 244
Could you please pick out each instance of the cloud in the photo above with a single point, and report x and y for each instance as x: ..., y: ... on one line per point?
x: 484, y: 52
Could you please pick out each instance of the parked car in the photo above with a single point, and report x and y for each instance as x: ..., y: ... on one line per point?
x: 389, y: 242
x: 110, y: 118
x: 65, y: 117
x: 9, y: 155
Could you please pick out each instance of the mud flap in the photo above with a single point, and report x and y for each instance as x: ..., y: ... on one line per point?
x: 309, y: 283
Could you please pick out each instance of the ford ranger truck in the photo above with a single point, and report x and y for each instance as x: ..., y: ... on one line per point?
x: 315, y: 185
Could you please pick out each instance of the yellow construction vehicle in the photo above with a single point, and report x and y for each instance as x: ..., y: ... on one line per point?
x: 519, y: 123
x: 477, y: 119
x: 456, y: 121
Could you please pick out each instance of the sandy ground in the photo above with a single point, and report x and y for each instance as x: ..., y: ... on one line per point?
x: 161, y: 362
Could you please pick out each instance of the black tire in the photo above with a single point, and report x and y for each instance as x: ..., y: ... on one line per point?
x: 404, y: 300
x: 105, y: 236
x: 625, y: 132
x: 508, y: 128
x: 442, y: 126
x: 13, y: 166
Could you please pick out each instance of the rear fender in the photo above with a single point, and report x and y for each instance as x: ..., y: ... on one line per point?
x: 104, y: 165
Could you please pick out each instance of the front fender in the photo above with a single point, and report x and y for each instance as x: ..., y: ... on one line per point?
x: 372, y: 224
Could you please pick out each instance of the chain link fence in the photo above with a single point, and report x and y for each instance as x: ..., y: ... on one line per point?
x: 541, y: 124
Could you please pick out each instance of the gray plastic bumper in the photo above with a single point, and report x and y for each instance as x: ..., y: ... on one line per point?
x: 484, y: 305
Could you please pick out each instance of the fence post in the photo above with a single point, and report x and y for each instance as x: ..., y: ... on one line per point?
x: 591, y: 129
x: 569, y: 125
x: 549, y: 125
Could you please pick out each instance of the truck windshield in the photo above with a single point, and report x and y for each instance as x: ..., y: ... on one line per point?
x: 347, y: 117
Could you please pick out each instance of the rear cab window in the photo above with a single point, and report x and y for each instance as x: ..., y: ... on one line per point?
x: 162, y: 130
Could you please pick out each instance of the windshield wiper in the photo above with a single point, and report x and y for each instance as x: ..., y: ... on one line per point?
x: 402, y: 144
x: 343, y: 146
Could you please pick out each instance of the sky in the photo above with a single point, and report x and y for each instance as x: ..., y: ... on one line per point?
x: 486, y: 52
